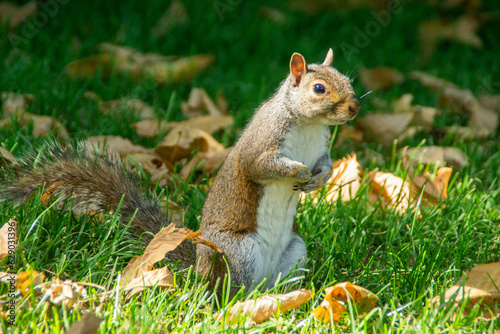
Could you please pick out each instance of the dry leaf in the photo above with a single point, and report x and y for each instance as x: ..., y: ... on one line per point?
x: 88, y: 324
x: 28, y: 279
x: 423, y: 116
x: 210, y: 124
x: 480, y: 287
x: 380, y: 77
x: 393, y: 191
x: 463, y: 30
x: 344, y: 182
x: 15, y: 14
x: 181, y: 141
x: 210, y: 163
x: 158, y: 169
x: 199, y: 100
x: 438, y: 155
x: 15, y: 104
x: 430, y: 81
x: 7, y: 159
x: 490, y: 101
x: 163, y: 242
x: 133, y: 106
x: 431, y: 188
x: 161, y: 277
x: 175, y: 15
x: 65, y: 293
x: 126, y: 60
x: 8, y: 239
x: 336, y: 301
x: 384, y: 128
x: 116, y: 144
x: 267, y: 306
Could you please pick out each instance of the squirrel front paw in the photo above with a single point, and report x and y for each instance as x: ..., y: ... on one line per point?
x: 302, y: 173
x: 317, y: 181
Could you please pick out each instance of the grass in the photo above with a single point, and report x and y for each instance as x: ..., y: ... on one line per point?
x: 404, y: 260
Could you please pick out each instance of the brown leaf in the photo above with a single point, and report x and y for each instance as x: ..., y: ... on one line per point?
x: 200, y: 101
x: 490, y: 101
x: 15, y: 104
x: 175, y: 213
x: 438, y: 155
x: 430, y: 81
x: 384, y: 128
x: 175, y: 15
x: 14, y: 14
x: 157, y: 168
x: 380, y: 77
x: 132, y: 106
x: 125, y: 60
x: 480, y: 287
x: 161, y: 277
x: 181, y: 141
x: 203, y: 161
x: 7, y: 159
x: 463, y: 30
x: 116, y: 144
x: 265, y: 307
x: 88, y: 324
x: 336, y: 300
x: 210, y: 124
x: 163, y: 242
x: 8, y: 238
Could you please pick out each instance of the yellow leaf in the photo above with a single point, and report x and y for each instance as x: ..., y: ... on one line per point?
x: 336, y: 301
x: 161, y: 277
x: 264, y: 307
x: 27, y: 279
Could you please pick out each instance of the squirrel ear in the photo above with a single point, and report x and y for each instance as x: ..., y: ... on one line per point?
x: 298, y: 67
x: 329, y: 58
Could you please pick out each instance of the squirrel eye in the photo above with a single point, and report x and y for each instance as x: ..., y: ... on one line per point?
x: 319, y: 89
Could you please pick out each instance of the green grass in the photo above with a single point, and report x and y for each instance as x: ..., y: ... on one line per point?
x: 404, y: 260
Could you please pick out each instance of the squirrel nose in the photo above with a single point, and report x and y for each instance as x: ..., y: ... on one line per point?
x: 354, y: 106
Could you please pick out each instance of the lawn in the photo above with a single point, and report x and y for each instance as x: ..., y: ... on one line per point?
x: 405, y: 259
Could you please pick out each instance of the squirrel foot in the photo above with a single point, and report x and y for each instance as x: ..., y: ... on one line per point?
x: 317, y: 181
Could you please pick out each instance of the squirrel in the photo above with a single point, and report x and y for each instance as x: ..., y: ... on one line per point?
x: 250, y: 208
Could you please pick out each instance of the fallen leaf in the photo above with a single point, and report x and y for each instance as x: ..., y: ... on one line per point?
x: 116, y: 144
x: 132, y: 106
x: 336, y: 300
x: 274, y: 15
x: 203, y: 161
x: 265, y: 307
x: 161, y: 277
x: 490, y: 101
x: 391, y: 190
x: 431, y: 81
x: 174, y: 212
x: 435, y: 155
x: 8, y: 239
x: 175, y: 15
x: 28, y: 279
x: 14, y: 14
x: 344, y: 182
x: 462, y: 30
x: 163, y: 242
x: 181, y: 141
x: 14, y: 104
x: 200, y: 101
x: 65, y: 293
x: 383, y: 128
x: 157, y: 168
x: 480, y: 287
x: 210, y: 124
x: 7, y: 159
x: 126, y: 60
x: 88, y: 324
x: 431, y: 188
x: 380, y: 78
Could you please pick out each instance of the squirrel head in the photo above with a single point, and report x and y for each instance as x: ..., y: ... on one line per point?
x: 320, y: 93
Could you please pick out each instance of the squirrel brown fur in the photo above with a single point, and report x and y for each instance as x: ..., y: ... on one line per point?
x: 250, y: 209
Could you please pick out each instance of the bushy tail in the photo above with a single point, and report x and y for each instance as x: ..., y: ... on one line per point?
x: 94, y: 180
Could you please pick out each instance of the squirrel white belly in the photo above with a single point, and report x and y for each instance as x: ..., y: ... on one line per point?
x: 250, y: 209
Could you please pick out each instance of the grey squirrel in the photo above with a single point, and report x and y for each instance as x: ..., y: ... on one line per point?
x: 250, y: 209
